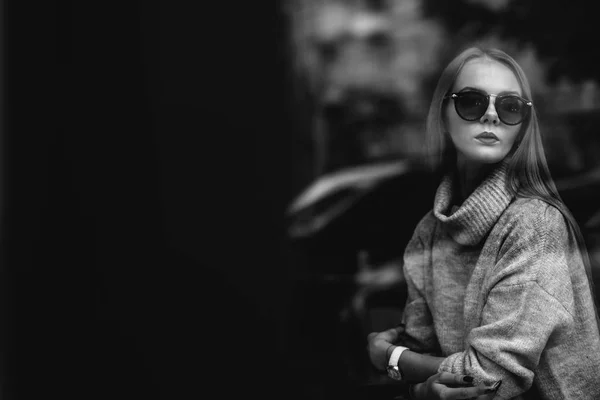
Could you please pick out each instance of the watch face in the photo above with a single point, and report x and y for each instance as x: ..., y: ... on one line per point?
x: 394, y: 373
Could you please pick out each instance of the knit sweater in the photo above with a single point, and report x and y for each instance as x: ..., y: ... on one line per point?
x: 499, y: 288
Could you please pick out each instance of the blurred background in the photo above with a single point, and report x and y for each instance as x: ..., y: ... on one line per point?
x: 214, y: 197
x: 362, y: 74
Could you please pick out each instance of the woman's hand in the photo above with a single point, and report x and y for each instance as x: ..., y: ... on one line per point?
x: 447, y: 386
x: 379, y: 343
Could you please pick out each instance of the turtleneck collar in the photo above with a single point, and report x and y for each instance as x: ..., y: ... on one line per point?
x: 476, y: 216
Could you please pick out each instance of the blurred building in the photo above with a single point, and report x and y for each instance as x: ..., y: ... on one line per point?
x: 365, y: 64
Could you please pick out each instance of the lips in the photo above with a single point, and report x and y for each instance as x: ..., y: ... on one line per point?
x: 487, y: 135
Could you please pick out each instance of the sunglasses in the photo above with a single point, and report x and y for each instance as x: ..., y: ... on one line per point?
x: 471, y: 105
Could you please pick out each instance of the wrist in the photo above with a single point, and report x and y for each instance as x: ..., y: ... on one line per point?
x: 393, y: 365
x: 388, y: 353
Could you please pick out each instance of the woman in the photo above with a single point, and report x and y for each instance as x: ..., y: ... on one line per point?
x: 500, y: 302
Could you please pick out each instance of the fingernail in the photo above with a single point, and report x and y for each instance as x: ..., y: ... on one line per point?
x: 495, y: 387
x: 468, y: 379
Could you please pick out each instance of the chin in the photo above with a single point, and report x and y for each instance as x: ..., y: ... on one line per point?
x: 491, y: 157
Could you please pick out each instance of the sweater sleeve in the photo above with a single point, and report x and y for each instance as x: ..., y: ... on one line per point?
x: 419, y: 332
x: 524, y: 311
x: 518, y: 321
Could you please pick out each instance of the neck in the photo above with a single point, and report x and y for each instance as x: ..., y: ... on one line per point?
x: 469, y: 176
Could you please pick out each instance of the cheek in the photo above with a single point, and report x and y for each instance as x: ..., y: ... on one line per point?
x: 512, y: 134
x: 454, y: 125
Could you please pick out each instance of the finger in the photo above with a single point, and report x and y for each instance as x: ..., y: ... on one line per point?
x: 466, y: 393
x: 448, y: 378
x: 390, y: 335
x: 458, y: 380
x: 371, y: 336
x: 473, y: 392
x: 400, y: 329
x: 448, y: 393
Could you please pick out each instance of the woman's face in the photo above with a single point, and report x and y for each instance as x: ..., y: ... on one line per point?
x: 474, y: 140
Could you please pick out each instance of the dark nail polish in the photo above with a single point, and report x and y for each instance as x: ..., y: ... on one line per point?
x: 494, y: 388
x: 497, y: 385
x: 468, y: 379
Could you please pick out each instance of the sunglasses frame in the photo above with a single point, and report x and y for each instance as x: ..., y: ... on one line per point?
x: 455, y: 95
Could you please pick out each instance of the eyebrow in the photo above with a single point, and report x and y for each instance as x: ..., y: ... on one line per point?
x: 483, y: 91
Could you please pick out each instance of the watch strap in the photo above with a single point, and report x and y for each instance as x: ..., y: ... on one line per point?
x: 395, y: 356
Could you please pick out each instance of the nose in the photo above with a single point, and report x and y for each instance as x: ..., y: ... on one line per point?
x: 490, y: 116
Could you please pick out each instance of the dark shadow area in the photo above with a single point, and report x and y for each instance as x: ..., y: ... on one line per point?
x: 147, y: 170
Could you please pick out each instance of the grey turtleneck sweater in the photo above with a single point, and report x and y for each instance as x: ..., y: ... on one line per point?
x: 498, y: 287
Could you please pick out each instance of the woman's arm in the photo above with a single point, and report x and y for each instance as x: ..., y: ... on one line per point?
x: 422, y: 370
x: 418, y: 367
x: 415, y: 367
x: 518, y: 322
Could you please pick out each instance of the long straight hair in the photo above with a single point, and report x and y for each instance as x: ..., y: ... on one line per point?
x: 528, y: 174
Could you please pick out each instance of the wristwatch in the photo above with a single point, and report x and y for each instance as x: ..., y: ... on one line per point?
x: 393, y: 369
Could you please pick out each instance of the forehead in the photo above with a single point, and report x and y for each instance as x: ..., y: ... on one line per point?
x: 487, y: 75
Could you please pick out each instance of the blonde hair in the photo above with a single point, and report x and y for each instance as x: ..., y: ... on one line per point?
x: 528, y: 173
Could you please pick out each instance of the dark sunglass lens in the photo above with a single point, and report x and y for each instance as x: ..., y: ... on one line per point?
x: 471, y: 105
x: 511, y: 110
